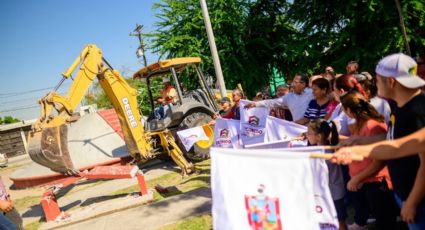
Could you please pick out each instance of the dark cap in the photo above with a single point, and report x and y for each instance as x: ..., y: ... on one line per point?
x: 225, y: 99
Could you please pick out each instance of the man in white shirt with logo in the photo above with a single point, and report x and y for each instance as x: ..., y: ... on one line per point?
x: 297, y: 100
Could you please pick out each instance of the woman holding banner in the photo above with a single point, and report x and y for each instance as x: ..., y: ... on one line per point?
x: 234, y: 113
x: 370, y: 180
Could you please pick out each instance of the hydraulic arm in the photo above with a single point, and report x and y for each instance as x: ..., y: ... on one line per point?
x: 48, y: 139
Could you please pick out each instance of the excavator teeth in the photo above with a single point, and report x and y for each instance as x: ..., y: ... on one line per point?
x: 50, y: 149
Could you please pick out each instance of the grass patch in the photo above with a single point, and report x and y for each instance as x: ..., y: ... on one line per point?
x: 193, y: 223
x: 25, y: 203
x: 33, y: 226
x: 85, y: 184
x: 174, y: 182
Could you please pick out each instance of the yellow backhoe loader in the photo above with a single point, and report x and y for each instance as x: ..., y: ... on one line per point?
x: 48, y: 139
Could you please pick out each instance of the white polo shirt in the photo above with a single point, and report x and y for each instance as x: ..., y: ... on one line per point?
x: 296, y: 103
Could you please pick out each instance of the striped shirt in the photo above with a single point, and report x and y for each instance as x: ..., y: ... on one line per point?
x: 315, y: 111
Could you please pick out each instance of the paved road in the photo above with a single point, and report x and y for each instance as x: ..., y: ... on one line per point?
x: 151, y: 216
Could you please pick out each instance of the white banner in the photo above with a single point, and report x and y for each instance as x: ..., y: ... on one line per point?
x: 226, y: 133
x: 281, y: 130
x: 253, y: 123
x: 254, y: 189
x: 325, y: 208
x: 190, y: 136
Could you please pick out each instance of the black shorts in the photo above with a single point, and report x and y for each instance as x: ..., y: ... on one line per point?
x: 341, y: 210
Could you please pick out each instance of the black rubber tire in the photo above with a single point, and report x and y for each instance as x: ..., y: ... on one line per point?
x: 195, y: 119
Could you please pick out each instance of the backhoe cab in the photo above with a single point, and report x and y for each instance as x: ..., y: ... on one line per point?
x: 48, y: 142
x: 193, y: 107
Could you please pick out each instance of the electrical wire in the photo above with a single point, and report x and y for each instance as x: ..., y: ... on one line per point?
x: 14, y: 94
x: 19, y: 108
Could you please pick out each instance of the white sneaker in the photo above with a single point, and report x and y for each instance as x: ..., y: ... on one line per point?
x: 355, y: 226
x: 371, y: 220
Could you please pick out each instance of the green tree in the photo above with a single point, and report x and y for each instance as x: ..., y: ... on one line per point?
x: 252, y: 37
x: 8, y: 120
x: 255, y: 37
x: 181, y: 33
x: 102, y: 101
x: 336, y: 32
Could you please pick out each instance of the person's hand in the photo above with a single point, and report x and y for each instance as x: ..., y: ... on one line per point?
x: 6, y: 205
x: 250, y: 105
x: 212, y: 122
x: 353, y: 184
x: 301, y: 137
x: 342, y: 156
x: 408, y: 212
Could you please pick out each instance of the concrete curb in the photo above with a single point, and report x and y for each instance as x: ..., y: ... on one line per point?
x: 99, y: 209
x: 150, y: 216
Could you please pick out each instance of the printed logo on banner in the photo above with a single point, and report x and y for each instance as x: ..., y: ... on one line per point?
x: 319, y: 209
x: 224, y: 140
x: 263, y: 211
x: 224, y: 133
x: 254, y: 120
x: 189, y: 139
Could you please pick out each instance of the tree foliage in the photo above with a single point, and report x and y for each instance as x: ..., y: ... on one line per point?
x: 8, y: 120
x: 253, y: 37
x: 102, y: 101
x: 338, y: 31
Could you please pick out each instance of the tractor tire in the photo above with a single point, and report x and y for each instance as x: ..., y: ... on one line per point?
x: 196, y: 153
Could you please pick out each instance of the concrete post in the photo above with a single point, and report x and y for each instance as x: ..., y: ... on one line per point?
x: 213, y: 48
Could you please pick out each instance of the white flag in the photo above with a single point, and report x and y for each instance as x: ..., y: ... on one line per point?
x: 270, y: 145
x: 190, y: 136
x: 280, y: 130
x: 254, y: 189
x: 253, y: 123
x: 325, y: 208
x: 226, y: 133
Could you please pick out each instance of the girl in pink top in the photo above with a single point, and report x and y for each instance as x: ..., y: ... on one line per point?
x: 370, y: 181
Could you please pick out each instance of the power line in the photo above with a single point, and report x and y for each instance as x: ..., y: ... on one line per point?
x: 23, y: 92
x: 35, y: 98
x: 19, y: 108
x: 14, y: 94
x: 23, y: 99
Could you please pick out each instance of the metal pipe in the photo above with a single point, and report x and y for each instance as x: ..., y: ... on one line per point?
x: 148, y: 86
x: 59, y: 84
x: 179, y: 91
x: 206, y: 89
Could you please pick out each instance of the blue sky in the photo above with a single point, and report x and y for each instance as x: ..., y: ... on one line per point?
x: 40, y: 39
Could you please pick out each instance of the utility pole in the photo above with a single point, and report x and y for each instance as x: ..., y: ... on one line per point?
x: 213, y: 48
x: 141, y: 49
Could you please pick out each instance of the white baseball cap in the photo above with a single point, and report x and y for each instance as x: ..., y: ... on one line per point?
x: 402, y: 68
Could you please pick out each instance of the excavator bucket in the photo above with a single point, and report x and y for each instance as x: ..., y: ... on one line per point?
x: 49, y: 148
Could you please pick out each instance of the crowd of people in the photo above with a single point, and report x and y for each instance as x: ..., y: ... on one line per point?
x: 356, y: 112
x: 380, y: 118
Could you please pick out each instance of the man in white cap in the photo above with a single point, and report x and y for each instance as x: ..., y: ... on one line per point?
x: 397, y: 80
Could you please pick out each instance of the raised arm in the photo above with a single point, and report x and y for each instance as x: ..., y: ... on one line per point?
x: 385, y: 150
